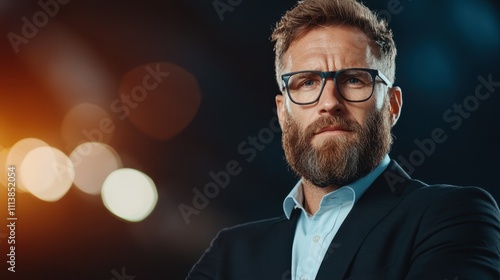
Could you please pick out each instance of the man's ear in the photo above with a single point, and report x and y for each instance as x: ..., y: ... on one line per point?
x: 280, y: 108
x: 396, y: 103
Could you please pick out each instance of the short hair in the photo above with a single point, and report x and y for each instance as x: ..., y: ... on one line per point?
x: 309, y: 14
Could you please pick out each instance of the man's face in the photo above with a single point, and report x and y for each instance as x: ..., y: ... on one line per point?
x: 333, y: 142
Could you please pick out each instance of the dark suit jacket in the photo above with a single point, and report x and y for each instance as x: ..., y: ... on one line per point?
x: 399, y: 229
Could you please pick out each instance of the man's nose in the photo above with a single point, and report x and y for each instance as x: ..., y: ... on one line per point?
x: 330, y: 100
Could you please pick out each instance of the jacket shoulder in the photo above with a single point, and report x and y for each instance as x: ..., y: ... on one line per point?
x: 443, y: 191
x: 256, y: 226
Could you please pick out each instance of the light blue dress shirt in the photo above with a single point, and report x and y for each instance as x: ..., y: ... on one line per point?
x: 314, y: 233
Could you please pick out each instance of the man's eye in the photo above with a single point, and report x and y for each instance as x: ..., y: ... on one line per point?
x: 308, y: 83
x: 353, y: 81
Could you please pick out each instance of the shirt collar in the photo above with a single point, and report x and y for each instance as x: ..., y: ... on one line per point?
x: 295, y: 198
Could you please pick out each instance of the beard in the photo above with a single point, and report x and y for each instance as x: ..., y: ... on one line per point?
x: 340, y: 159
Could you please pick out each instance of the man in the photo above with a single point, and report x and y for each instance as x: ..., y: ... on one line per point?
x: 355, y: 214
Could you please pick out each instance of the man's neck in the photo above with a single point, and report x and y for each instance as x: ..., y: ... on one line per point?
x: 313, y: 195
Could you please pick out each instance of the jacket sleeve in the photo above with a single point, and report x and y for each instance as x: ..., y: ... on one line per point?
x: 458, y: 238
x: 208, y: 266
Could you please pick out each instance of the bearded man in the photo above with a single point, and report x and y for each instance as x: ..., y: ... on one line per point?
x: 354, y: 214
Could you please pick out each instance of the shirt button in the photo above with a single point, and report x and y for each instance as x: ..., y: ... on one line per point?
x: 316, y: 238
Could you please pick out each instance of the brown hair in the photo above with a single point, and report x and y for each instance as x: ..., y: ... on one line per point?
x: 309, y: 14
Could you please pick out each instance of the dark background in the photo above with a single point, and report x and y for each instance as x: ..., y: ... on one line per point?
x: 443, y: 49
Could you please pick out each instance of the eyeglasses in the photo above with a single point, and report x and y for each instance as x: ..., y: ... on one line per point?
x: 353, y: 84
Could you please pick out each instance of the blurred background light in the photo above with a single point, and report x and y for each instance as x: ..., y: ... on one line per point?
x: 433, y: 71
x: 87, y: 122
x: 160, y: 99
x: 3, y: 167
x: 129, y: 194
x: 93, y: 162
x: 47, y: 173
x: 17, y: 155
x: 68, y: 67
x: 479, y: 23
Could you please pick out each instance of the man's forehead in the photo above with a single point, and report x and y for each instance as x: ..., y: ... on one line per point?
x: 343, y: 44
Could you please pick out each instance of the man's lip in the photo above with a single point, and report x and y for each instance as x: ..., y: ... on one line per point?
x: 332, y: 129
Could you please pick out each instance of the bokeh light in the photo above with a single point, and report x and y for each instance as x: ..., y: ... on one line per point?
x: 87, y: 122
x: 129, y: 194
x: 47, y: 173
x: 70, y: 69
x: 160, y: 99
x: 441, y: 75
x: 17, y: 154
x: 3, y: 157
x: 93, y: 162
x: 479, y: 22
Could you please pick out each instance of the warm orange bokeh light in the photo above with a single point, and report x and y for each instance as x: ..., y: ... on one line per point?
x: 3, y: 167
x: 87, y: 122
x: 93, y: 162
x: 47, y: 173
x: 17, y: 154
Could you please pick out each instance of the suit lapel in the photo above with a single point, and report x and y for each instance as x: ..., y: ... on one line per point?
x: 380, y: 198
x: 278, y: 247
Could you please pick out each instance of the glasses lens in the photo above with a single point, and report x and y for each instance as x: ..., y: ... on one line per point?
x: 304, y: 87
x: 355, y: 85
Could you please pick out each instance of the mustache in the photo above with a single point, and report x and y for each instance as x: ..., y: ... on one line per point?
x: 331, y: 120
